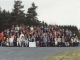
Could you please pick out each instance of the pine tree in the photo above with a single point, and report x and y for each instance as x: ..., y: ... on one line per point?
x: 32, y: 16
x: 0, y: 19
x: 18, y: 15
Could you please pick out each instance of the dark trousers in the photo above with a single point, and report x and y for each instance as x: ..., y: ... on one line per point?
x: 48, y: 44
x: 59, y: 44
x: 41, y: 44
x: 15, y: 44
x: 0, y: 42
x: 63, y: 44
x: 77, y: 43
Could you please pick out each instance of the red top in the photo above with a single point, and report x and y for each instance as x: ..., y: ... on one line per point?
x: 27, y: 33
x: 1, y: 36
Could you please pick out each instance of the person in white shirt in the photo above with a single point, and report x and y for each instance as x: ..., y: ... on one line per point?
x: 18, y: 41
x: 21, y: 35
x: 22, y: 41
x: 11, y: 41
x: 56, y: 41
x: 26, y: 41
x: 59, y: 41
x: 16, y: 28
x: 31, y: 28
x: 72, y: 41
x: 76, y: 41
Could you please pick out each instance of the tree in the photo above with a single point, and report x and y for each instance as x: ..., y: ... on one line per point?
x: 32, y: 15
x: 0, y: 19
x: 18, y: 15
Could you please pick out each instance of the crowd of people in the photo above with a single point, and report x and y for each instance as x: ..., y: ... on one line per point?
x: 44, y: 36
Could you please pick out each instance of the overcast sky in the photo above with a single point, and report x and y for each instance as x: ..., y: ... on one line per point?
x: 61, y: 12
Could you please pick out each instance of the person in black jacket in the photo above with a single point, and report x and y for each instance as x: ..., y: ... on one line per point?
x: 41, y: 41
x: 37, y: 40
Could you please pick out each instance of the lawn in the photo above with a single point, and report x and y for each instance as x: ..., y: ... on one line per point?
x: 69, y: 55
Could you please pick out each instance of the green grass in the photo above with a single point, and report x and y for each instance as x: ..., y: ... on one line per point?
x: 69, y: 55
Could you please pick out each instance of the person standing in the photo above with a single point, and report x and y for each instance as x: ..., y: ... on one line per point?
x: 1, y: 38
x: 22, y: 42
x: 37, y: 40
x: 18, y: 41
x: 11, y: 41
x: 45, y: 41
x: 63, y: 41
x: 56, y: 41
x: 59, y: 41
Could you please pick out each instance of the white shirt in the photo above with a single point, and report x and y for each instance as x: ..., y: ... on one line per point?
x: 21, y: 36
x: 31, y: 28
x: 11, y: 39
x: 59, y: 39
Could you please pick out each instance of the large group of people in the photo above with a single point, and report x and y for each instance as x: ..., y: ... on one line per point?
x: 43, y: 36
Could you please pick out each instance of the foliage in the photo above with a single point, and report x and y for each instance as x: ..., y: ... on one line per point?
x: 69, y: 55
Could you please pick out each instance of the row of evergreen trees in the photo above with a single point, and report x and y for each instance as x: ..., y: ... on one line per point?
x: 17, y: 16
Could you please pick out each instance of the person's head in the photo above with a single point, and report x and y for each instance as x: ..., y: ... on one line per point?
x: 55, y: 36
x: 58, y: 36
x: 16, y: 25
x: 69, y: 30
x: 66, y: 29
x: 2, y: 32
x: 76, y: 36
x: 65, y: 36
x: 44, y: 36
x: 4, y: 37
x: 63, y: 29
x: 62, y: 36
x: 41, y: 36
x: 22, y: 36
x: 72, y: 37
x: 28, y: 36
x: 12, y: 25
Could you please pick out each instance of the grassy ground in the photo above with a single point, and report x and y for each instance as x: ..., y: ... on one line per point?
x: 69, y: 55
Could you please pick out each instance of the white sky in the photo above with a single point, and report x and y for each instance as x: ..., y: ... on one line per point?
x: 61, y: 12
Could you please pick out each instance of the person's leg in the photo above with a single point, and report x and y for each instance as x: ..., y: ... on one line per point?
x: 37, y: 43
x: 20, y: 43
x: 66, y: 44
x: 0, y: 42
x: 41, y: 44
x: 46, y: 44
x: 10, y: 44
x: 73, y: 43
x: 58, y: 44
x: 63, y: 44
x: 17, y: 44
x: 26, y: 43
x: 77, y: 43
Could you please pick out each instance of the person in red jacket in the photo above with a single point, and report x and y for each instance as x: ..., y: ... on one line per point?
x: 1, y: 38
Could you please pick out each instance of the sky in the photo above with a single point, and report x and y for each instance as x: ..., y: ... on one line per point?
x: 61, y: 12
